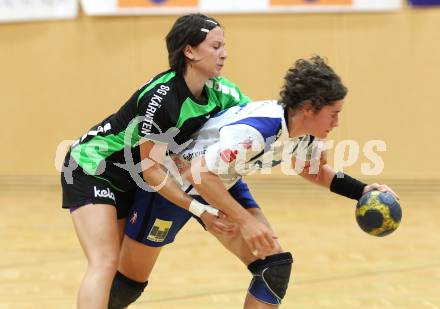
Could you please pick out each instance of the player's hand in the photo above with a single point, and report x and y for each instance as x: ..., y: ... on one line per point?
x: 218, y: 224
x: 259, y: 238
x: 380, y: 187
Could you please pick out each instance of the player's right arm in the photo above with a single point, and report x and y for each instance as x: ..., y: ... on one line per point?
x: 259, y: 237
x: 158, y: 112
x: 236, y: 146
x: 152, y: 156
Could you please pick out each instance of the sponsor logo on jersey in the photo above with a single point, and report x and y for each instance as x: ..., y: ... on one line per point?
x: 159, y: 231
x: 228, y: 155
x: 153, y: 105
x: 134, y: 217
x: 104, y: 193
x: 189, y: 155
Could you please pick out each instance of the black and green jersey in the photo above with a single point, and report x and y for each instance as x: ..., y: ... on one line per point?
x: 162, y: 104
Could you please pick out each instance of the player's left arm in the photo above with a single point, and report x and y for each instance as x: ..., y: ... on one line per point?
x: 338, y: 182
x: 258, y: 236
x: 236, y: 145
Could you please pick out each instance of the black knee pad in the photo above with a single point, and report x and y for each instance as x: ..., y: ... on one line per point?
x: 124, y: 291
x: 271, y: 278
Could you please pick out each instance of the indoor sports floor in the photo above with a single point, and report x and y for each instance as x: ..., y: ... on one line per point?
x: 337, y: 266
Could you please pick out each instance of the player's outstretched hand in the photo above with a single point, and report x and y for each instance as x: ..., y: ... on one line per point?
x: 380, y: 187
x: 218, y: 224
x: 259, y: 238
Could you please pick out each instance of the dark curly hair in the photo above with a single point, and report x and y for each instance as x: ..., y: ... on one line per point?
x: 311, y: 81
x: 186, y: 31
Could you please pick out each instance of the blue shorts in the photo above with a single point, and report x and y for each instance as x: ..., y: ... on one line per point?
x: 155, y: 221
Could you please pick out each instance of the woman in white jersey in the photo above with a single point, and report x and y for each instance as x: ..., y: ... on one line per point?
x: 230, y: 145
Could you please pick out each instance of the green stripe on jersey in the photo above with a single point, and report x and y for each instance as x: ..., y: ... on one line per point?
x: 226, y: 93
x: 191, y: 109
x: 221, y: 93
x: 162, y: 80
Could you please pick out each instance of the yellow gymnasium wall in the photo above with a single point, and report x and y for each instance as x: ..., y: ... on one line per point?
x: 59, y: 78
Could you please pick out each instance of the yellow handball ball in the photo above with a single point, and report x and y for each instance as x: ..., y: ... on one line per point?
x: 378, y: 213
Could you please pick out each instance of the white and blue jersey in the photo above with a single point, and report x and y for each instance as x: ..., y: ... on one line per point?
x: 243, y: 139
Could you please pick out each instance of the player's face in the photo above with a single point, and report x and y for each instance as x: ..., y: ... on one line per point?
x: 210, y: 55
x: 320, y: 124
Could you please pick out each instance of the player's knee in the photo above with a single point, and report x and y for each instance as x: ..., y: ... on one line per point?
x: 124, y: 291
x: 105, y: 263
x: 271, y: 278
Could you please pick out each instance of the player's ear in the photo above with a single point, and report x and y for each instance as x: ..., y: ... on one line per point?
x: 307, y: 108
x: 188, y: 51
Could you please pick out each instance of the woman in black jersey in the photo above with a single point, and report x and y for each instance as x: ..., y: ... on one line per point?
x: 106, y: 165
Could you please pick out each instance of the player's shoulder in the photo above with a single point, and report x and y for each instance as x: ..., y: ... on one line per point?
x: 264, y: 108
x: 159, y: 89
x: 272, y: 104
x: 219, y: 87
x: 266, y: 117
x: 220, y: 80
x: 161, y: 78
x: 163, y: 83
